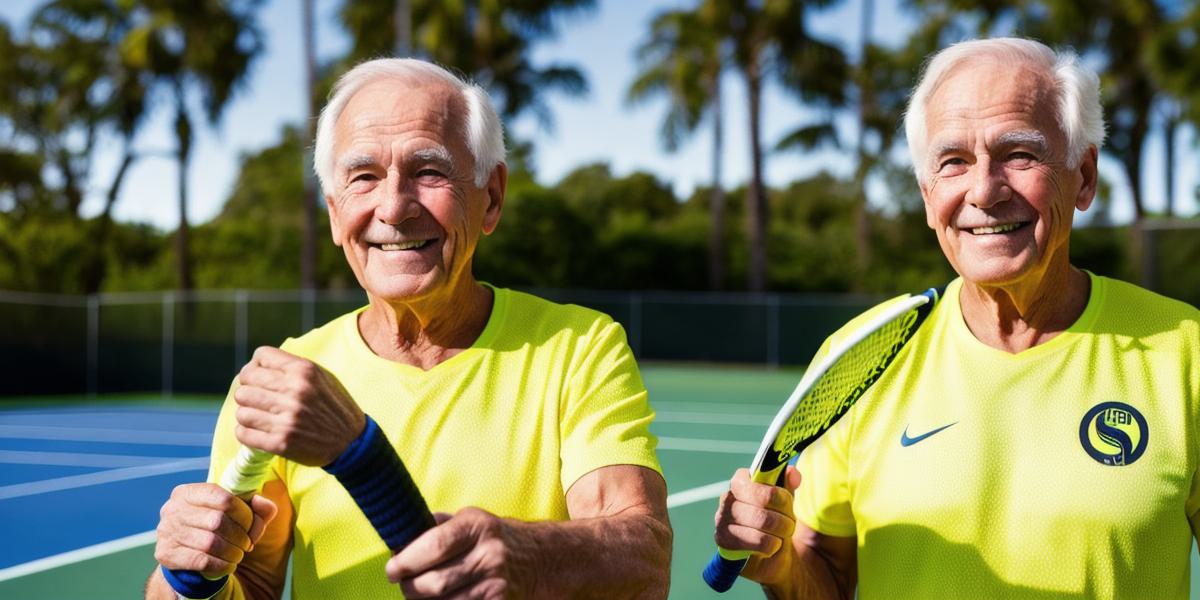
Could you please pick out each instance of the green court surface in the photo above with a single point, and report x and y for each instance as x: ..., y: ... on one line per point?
x: 710, y: 420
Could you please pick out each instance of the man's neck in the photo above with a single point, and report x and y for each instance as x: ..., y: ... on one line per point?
x: 427, y: 332
x: 1020, y: 316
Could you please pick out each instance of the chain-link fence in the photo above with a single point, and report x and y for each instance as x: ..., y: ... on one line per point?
x: 172, y: 343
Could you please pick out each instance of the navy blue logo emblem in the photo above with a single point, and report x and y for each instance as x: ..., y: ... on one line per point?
x: 1114, y: 433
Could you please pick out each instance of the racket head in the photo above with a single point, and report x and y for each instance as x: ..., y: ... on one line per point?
x: 831, y: 387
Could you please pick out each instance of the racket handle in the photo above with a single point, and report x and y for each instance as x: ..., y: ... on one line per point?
x: 721, y: 572
x: 376, y: 479
x: 242, y: 477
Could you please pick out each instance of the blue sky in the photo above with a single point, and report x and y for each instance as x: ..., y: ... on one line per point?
x: 600, y: 127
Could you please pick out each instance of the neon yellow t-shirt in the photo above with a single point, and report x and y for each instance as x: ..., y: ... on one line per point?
x: 546, y: 394
x: 1066, y: 470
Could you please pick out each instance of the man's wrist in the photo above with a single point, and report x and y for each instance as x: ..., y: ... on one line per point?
x: 190, y: 585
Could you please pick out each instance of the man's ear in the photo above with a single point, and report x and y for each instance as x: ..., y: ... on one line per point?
x: 496, y: 186
x: 929, y: 220
x: 334, y: 224
x: 1091, y: 179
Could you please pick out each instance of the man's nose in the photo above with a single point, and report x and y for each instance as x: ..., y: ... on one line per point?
x: 989, y: 186
x: 401, y: 202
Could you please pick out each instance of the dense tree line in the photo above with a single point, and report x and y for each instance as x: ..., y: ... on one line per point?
x: 81, y: 77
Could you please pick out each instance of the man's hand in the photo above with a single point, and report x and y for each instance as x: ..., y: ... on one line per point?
x: 292, y: 407
x: 204, y: 528
x: 758, y: 517
x: 473, y: 554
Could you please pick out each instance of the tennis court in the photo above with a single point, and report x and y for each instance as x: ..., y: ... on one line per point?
x: 81, y: 482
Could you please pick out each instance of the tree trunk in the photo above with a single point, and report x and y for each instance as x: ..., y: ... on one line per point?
x: 756, y: 201
x: 1169, y: 128
x: 862, y: 223
x: 716, y: 198
x: 183, y: 132
x: 96, y: 270
x: 403, y: 23
x: 308, y: 250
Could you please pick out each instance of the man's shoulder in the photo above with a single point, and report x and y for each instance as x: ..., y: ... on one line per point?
x: 321, y: 338
x: 1124, y: 302
x: 532, y: 311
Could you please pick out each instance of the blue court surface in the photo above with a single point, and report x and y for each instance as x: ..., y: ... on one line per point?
x: 73, y: 477
x: 81, y: 483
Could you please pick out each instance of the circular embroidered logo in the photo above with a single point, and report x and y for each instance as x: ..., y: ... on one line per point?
x: 1114, y: 433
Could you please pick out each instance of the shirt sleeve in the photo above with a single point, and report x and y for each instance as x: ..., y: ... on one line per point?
x: 605, y: 410
x: 823, y: 499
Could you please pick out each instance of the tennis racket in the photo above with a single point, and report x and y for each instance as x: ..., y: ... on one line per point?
x: 825, y: 392
x: 371, y: 472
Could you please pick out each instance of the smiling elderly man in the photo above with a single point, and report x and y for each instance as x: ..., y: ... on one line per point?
x: 1039, y: 437
x: 526, y: 419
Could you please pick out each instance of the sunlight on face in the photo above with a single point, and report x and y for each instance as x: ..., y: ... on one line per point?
x: 997, y: 191
x: 406, y: 212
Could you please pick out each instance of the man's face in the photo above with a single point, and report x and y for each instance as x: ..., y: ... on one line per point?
x: 997, y: 189
x: 405, y: 209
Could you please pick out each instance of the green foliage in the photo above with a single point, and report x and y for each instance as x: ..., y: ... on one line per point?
x: 255, y: 241
x: 490, y: 42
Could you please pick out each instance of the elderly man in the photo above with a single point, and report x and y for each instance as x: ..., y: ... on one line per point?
x: 526, y: 419
x: 1038, y: 437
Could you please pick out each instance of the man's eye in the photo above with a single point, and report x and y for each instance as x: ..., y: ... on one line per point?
x: 951, y: 165
x: 364, y: 177
x: 1021, y: 158
x: 429, y: 173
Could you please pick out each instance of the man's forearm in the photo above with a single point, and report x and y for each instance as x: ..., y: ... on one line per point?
x: 811, y: 576
x: 627, y: 555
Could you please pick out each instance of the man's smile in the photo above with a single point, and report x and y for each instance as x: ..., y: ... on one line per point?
x: 995, y: 229
x: 406, y: 245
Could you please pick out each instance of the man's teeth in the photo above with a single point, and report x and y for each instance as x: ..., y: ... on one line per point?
x: 1005, y: 228
x: 404, y: 245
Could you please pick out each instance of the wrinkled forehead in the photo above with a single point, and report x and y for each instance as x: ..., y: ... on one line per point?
x: 396, y: 106
x: 988, y: 90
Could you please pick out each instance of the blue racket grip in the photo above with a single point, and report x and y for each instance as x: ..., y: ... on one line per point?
x: 721, y: 572
x: 376, y: 479
x: 191, y: 584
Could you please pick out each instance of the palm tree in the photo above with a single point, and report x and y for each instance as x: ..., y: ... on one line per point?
x: 190, y: 47
x: 76, y: 58
x: 308, y: 251
x: 681, y: 60
x: 770, y: 41
x: 488, y: 41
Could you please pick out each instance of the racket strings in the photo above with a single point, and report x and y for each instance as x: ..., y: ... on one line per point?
x: 841, y: 385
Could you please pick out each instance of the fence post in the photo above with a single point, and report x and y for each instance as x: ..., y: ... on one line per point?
x: 635, y: 323
x: 240, y: 328
x: 308, y: 298
x: 168, y: 343
x: 773, y: 329
x: 93, y: 345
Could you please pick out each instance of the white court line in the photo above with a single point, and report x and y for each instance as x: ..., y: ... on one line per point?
x: 19, y: 490
x: 708, y: 418
x: 677, y: 499
x: 79, y: 459
x: 95, y: 434
x: 697, y: 494
x: 80, y: 555
x: 719, y: 446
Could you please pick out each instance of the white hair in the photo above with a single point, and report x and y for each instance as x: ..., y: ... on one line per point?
x: 483, y: 132
x: 1076, y: 88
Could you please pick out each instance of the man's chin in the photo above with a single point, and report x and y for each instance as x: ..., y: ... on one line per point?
x: 402, y: 288
x: 998, y: 272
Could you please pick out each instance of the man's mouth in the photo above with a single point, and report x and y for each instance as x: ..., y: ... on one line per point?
x: 409, y: 245
x: 1002, y: 228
